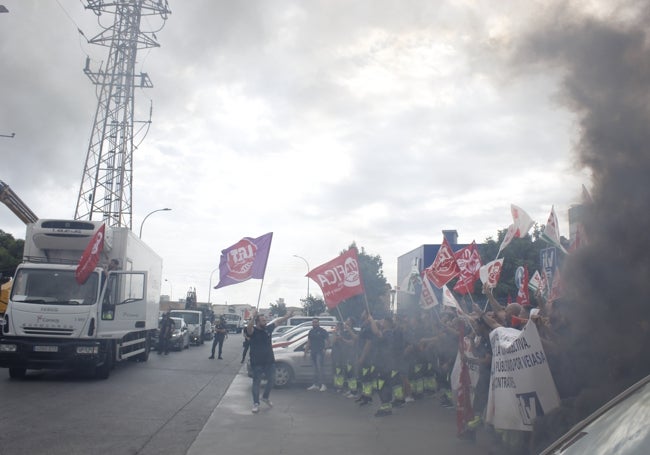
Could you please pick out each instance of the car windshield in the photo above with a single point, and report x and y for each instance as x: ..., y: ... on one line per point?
x: 55, y: 287
x: 621, y: 430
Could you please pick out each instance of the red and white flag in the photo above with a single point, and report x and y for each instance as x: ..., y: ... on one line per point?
x: 521, y: 224
x: 469, y: 263
x: 90, y: 257
x: 491, y: 272
x: 444, y: 266
x: 339, y: 279
x: 551, y: 231
x: 428, y: 298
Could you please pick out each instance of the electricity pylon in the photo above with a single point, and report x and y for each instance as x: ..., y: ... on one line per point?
x: 106, y: 189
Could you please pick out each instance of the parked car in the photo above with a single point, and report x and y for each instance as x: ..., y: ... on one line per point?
x: 619, y: 427
x: 294, y: 333
x: 282, y: 329
x: 292, y: 337
x: 180, y: 336
x: 293, y: 367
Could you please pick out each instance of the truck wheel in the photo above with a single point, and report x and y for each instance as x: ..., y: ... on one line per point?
x: 103, y: 371
x: 147, y: 347
x: 17, y: 373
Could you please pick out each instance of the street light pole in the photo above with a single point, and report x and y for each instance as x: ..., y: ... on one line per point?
x: 210, y: 286
x: 148, y: 215
x: 171, y: 290
x: 307, y: 264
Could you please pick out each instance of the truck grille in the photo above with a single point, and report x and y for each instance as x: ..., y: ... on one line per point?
x: 46, y: 331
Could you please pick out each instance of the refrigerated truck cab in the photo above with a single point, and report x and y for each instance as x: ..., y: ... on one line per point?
x: 52, y: 322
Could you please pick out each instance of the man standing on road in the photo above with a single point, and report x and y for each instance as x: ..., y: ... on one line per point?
x: 167, y: 326
x: 316, y: 341
x: 261, y: 355
x: 220, y: 334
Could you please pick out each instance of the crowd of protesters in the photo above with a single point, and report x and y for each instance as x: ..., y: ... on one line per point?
x: 388, y: 361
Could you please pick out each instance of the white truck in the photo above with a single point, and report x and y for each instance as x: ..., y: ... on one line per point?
x: 52, y: 322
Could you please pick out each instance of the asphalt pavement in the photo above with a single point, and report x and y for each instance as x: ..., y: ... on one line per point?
x: 305, y: 422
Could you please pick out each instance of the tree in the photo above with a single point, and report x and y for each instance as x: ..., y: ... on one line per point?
x: 279, y: 308
x: 313, y: 306
x: 11, y: 254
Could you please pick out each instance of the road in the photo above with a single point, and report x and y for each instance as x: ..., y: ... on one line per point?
x: 144, y: 408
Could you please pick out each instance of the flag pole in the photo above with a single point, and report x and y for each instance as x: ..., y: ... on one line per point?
x: 259, y: 296
x: 339, y: 311
x: 365, y: 298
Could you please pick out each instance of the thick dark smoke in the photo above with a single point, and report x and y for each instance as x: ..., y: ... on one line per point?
x: 605, y: 68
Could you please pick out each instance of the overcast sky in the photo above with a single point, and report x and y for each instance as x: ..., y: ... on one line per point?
x: 380, y: 122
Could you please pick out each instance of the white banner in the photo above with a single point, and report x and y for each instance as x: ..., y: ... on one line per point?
x: 521, y: 386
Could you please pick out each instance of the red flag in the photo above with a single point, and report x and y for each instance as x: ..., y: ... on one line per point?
x: 469, y: 263
x: 444, y: 266
x: 90, y: 256
x: 523, y: 297
x: 339, y: 279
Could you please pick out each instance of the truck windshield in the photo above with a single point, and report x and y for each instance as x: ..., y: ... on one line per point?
x: 54, y: 287
x: 190, y: 318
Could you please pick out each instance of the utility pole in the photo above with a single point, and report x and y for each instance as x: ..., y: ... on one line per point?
x: 107, y: 181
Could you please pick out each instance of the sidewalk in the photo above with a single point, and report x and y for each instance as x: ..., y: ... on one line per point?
x: 313, y: 423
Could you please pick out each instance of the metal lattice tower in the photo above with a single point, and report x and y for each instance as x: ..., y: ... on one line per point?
x: 107, y: 183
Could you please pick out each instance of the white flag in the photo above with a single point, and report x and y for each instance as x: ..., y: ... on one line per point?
x: 448, y: 299
x: 522, y: 221
x: 552, y: 230
x: 428, y: 298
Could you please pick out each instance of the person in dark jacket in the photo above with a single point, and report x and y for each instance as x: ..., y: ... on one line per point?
x: 167, y: 326
x: 220, y: 334
x: 317, y: 339
x: 262, y: 358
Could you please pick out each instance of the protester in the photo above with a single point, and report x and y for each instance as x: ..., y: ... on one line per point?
x: 317, y: 339
x: 261, y: 355
x: 220, y: 334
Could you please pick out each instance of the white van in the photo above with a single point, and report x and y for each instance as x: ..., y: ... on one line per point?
x: 300, y: 319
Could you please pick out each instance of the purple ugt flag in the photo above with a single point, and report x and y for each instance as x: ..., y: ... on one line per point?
x: 244, y: 260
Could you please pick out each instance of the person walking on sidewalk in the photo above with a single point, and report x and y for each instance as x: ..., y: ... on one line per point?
x: 261, y: 355
x: 220, y: 334
x: 316, y: 341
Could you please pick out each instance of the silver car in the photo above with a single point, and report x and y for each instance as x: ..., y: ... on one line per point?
x: 180, y: 336
x: 293, y: 367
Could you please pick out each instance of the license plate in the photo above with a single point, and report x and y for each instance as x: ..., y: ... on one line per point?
x: 46, y: 348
